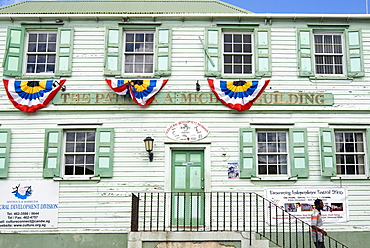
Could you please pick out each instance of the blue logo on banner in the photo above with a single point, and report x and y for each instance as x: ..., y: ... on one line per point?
x: 22, y: 193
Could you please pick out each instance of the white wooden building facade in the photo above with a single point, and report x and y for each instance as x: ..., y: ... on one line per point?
x: 315, y: 99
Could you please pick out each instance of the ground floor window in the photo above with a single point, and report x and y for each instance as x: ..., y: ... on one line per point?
x: 79, y: 152
x: 272, y: 152
x: 350, y: 152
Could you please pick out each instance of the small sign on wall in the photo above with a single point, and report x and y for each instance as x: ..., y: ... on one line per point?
x: 187, y: 131
x: 233, y: 170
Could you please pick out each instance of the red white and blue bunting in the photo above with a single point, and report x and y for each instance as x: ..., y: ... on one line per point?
x: 142, y: 91
x: 239, y: 94
x: 31, y: 95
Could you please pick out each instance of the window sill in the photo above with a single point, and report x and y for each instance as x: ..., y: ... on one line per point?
x: 314, y: 78
x: 344, y: 177
x: 241, y: 77
x: 39, y: 77
x: 136, y: 76
x: 276, y: 178
x: 76, y: 178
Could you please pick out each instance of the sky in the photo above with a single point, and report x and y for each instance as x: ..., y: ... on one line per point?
x: 288, y: 6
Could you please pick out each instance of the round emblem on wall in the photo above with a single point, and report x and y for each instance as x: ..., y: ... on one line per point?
x: 187, y: 131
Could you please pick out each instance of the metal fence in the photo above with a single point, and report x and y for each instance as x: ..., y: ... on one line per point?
x: 221, y: 211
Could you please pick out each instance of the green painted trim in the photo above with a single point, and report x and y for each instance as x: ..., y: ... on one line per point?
x: 113, y: 49
x: 305, y: 53
x: 163, y: 50
x: 41, y: 25
x: 298, y: 153
x: 64, y: 240
x: 52, y: 150
x: 328, y: 161
x: 231, y: 25
x: 331, y: 26
x: 230, y: 244
x: 184, y: 172
x: 248, y: 153
x: 104, y: 153
x: 14, y: 51
x: 212, y: 53
x: 139, y: 25
x: 61, y: 53
x: 354, y: 52
x: 193, y: 98
x: 39, y: 77
x: 259, y: 55
x: 367, y: 134
x: 4, y: 153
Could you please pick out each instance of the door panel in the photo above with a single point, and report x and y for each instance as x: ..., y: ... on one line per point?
x: 187, y: 187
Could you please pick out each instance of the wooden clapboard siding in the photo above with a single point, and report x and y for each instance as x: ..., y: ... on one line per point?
x: 91, y: 206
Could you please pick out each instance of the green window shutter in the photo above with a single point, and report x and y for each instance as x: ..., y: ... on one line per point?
x: 52, y: 152
x: 298, y: 152
x: 4, y: 152
x: 163, y: 52
x: 355, y: 61
x: 305, y: 53
x: 13, y: 59
x: 328, y: 161
x: 64, y: 52
x: 104, y: 152
x: 212, y: 48
x: 263, y: 53
x: 368, y: 149
x: 248, y: 153
x: 113, y: 52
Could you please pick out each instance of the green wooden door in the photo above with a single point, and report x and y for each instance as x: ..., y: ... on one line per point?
x: 187, y: 179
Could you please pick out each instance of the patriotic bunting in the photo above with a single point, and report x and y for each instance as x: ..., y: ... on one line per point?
x: 142, y: 91
x: 238, y: 95
x: 31, y: 95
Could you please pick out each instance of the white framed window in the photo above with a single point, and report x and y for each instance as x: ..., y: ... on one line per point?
x: 329, y: 53
x: 139, y: 52
x: 79, y: 152
x: 350, y: 152
x: 237, y: 53
x: 272, y: 152
x: 41, y: 51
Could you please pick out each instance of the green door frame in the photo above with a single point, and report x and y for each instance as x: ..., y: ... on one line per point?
x: 187, y: 187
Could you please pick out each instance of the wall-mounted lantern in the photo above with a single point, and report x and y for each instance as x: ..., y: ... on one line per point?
x: 149, y: 147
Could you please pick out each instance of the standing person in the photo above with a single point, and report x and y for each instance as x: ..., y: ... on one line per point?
x: 316, y: 224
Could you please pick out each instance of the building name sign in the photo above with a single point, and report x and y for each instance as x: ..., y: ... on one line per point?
x: 196, y: 98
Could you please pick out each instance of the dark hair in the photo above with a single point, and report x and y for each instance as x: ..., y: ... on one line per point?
x: 317, y: 202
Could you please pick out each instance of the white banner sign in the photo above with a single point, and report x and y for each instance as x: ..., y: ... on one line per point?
x: 300, y: 203
x: 29, y: 204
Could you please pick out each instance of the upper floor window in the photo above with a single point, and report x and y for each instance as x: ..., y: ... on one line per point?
x: 38, y: 52
x: 138, y: 52
x: 329, y: 54
x: 236, y: 52
x: 41, y: 51
x: 350, y: 152
x: 272, y: 152
x: 326, y: 54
